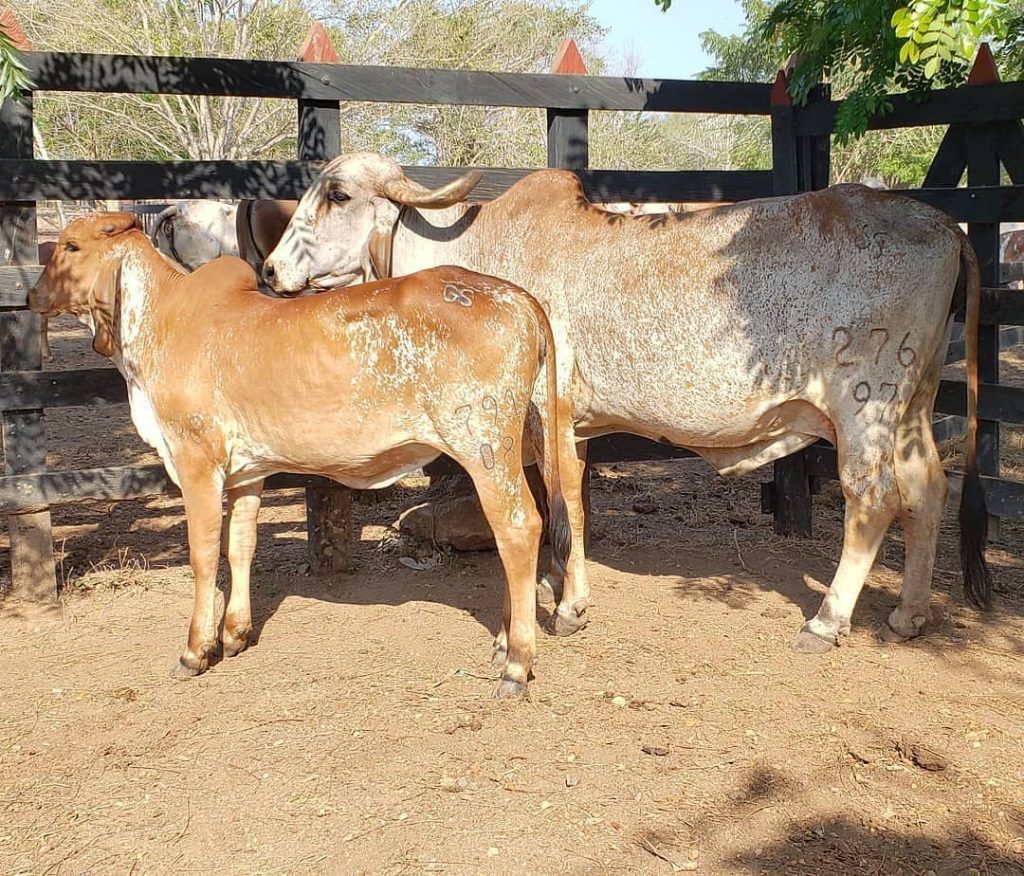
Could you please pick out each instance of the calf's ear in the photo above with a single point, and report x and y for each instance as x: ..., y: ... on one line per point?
x: 118, y: 223
x: 104, y: 304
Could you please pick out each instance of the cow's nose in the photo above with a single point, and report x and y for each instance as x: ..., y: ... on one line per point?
x: 269, y: 273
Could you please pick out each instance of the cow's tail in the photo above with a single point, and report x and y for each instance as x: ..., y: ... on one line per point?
x: 557, y: 450
x: 973, y: 510
x: 164, y: 225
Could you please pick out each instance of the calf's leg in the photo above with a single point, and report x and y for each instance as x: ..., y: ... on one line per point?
x: 512, y: 515
x: 243, y: 508
x: 201, y: 491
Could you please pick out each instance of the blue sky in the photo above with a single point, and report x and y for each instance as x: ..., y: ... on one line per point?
x: 665, y: 44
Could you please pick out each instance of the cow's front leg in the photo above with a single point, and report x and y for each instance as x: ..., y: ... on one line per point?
x: 201, y: 491
x: 243, y: 508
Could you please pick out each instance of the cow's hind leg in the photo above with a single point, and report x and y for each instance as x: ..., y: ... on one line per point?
x: 869, y: 484
x: 513, y: 516
x: 922, y: 486
x: 243, y: 508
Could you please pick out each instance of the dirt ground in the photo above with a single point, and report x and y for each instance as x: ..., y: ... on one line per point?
x: 678, y: 732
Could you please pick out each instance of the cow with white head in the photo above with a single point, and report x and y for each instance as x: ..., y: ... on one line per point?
x: 745, y: 333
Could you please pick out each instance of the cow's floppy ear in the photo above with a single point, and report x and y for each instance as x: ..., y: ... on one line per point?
x: 105, y: 306
x: 385, y: 215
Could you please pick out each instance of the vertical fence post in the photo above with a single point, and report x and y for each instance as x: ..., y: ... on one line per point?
x: 24, y: 432
x: 983, y: 169
x: 789, y: 493
x: 569, y: 148
x: 329, y: 508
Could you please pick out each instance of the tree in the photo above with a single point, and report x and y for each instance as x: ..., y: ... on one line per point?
x: 878, y: 46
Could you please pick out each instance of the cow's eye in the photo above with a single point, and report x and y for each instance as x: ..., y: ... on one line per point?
x: 70, y: 247
x: 337, y: 196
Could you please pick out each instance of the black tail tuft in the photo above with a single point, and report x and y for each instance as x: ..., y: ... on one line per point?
x: 559, y: 531
x: 973, y: 534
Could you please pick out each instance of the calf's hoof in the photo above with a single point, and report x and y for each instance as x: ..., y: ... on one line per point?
x: 182, y: 669
x: 810, y: 642
x: 546, y: 591
x: 499, y: 658
x: 565, y: 621
x: 508, y: 689
x: 233, y: 645
x: 895, y: 633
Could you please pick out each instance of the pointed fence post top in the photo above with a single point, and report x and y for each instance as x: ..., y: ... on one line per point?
x: 780, y: 90
x: 983, y: 71
x: 9, y: 25
x: 568, y: 59
x: 317, y: 47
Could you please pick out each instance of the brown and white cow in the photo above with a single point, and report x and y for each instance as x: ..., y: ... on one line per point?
x: 744, y: 332
x: 362, y: 386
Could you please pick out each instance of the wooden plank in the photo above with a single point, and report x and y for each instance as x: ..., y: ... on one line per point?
x: 1000, y: 306
x: 1005, y: 498
x: 983, y: 169
x: 114, y: 482
x: 969, y: 104
x: 15, y: 281
x: 329, y: 527
x: 132, y: 74
x: 998, y: 403
x: 75, y: 180
x: 950, y: 161
x: 993, y: 203
x: 1010, y: 143
x: 33, y: 574
x: 319, y: 128
x: 568, y: 139
x: 26, y: 390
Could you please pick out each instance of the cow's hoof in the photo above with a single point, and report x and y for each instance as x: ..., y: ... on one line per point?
x: 235, y: 645
x: 546, y: 592
x: 566, y: 621
x: 507, y: 689
x: 810, y: 642
x: 182, y: 670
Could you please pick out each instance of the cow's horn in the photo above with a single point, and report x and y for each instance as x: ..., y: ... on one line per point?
x: 412, y: 194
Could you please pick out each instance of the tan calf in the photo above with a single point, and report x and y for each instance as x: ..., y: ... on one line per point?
x: 362, y: 386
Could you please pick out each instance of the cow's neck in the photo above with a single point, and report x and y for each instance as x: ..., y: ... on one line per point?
x: 147, y: 279
x: 425, y: 239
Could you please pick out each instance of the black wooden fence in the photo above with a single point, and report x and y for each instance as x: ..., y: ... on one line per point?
x: 801, y: 161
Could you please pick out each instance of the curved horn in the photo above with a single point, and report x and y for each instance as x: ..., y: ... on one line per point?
x: 412, y: 194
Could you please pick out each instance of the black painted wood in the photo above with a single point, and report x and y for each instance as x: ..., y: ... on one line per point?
x: 33, y: 575
x: 950, y: 159
x: 995, y: 402
x: 1010, y: 143
x: 136, y: 74
x: 992, y: 203
x: 114, y: 482
x: 568, y: 139
x: 75, y: 180
x: 26, y: 390
x: 969, y: 104
x: 983, y: 169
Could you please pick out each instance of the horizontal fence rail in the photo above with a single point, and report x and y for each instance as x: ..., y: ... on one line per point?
x: 31, y: 179
x: 137, y: 74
